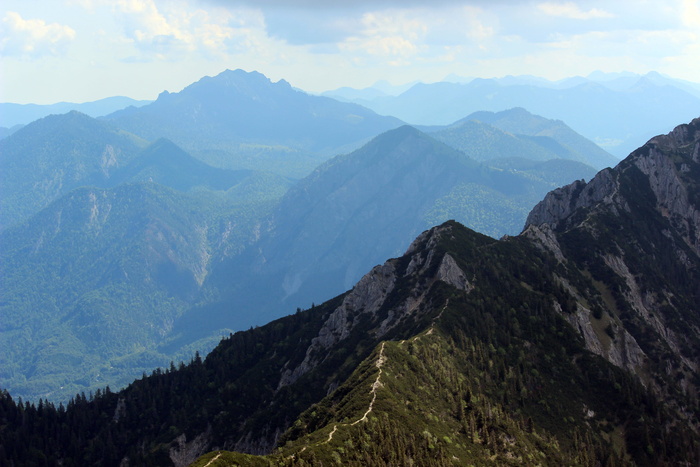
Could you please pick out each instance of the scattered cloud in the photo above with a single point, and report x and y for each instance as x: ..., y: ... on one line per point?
x: 690, y: 14
x: 572, y: 11
x: 320, y: 44
x: 179, y: 29
x: 33, y: 38
x: 374, y: 5
x: 388, y: 34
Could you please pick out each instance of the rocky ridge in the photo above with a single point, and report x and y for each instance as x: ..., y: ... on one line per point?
x: 371, y: 293
x: 490, y: 350
x: 653, y: 191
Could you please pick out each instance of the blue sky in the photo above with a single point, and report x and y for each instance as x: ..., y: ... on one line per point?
x: 83, y: 50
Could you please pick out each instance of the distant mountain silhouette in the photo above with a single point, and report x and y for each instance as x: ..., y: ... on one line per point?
x: 531, y: 137
x: 367, y: 205
x: 615, y: 119
x: 576, y: 342
x: 236, y: 115
x: 22, y: 114
x: 165, y: 163
x: 54, y: 155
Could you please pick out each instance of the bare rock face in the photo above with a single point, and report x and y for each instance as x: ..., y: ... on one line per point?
x: 184, y: 453
x: 544, y: 237
x: 366, y: 297
x: 668, y: 177
x: 623, y: 351
x: 561, y: 203
x: 665, y: 160
x: 370, y: 294
x: 661, y: 181
x: 450, y: 273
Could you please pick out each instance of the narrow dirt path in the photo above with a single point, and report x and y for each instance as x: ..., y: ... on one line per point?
x: 381, y: 359
x: 376, y: 385
x: 213, y: 460
x: 432, y: 325
x: 330, y: 435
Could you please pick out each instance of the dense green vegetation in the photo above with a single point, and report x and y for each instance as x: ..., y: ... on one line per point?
x: 466, y: 350
x: 93, y: 285
x: 494, y: 373
x: 104, y: 283
x: 548, y: 135
x: 484, y: 142
x: 54, y: 155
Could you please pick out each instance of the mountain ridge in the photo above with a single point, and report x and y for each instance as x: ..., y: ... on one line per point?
x: 264, y: 259
x: 329, y: 228
x: 226, y: 119
x: 466, y: 349
x: 607, y: 116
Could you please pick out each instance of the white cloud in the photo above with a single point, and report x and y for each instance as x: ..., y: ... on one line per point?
x: 177, y: 29
x: 572, y: 11
x: 387, y: 35
x: 140, y: 47
x: 690, y: 14
x: 33, y: 37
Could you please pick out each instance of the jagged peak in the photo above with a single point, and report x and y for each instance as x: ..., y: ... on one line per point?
x: 654, y: 160
x: 423, y: 264
x: 681, y: 136
x: 559, y: 204
x: 429, y: 238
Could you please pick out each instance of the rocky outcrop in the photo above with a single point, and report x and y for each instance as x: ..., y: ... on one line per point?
x: 365, y: 298
x: 183, y: 453
x: 622, y: 351
x: 544, y: 237
x: 370, y: 294
x: 668, y: 177
x: 670, y: 165
x: 450, y: 273
x: 561, y: 203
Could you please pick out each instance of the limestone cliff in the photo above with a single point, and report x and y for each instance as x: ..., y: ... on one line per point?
x: 635, y: 229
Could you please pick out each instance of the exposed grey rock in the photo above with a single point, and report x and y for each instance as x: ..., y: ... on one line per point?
x: 645, y: 305
x: 366, y: 297
x: 669, y: 163
x: 666, y: 180
x: 251, y: 444
x: 623, y: 351
x: 184, y: 453
x: 545, y: 238
x: 120, y: 410
x: 561, y: 203
x: 451, y: 273
x: 370, y: 294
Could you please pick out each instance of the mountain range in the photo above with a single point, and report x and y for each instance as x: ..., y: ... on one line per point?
x: 12, y: 115
x: 243, y: 120
x: 357, y: 209
x: 522, y: 135
x: 54, y: 155
x: 615, y: 113
x: 576, y: 342
x: 241, y: 251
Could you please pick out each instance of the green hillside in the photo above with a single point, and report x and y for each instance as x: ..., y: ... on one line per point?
x: 93, y: 284
x: 56, y: 154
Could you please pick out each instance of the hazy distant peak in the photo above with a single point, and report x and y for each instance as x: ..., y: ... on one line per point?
x: 232, y: 82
